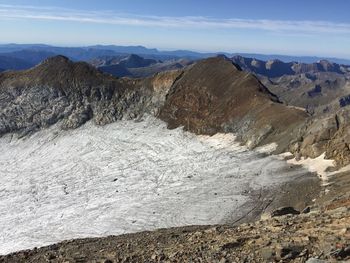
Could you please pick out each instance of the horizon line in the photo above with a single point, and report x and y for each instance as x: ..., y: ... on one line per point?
x: 182, y: 49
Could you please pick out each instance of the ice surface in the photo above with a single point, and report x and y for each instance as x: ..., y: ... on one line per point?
x: 124, y: 177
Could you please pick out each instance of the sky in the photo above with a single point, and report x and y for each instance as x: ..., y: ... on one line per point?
x: 291, y: 27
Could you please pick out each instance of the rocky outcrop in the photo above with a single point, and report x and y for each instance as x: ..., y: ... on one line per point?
x: 285, y: 211
x: 329, y: 134
x: 276, y: 68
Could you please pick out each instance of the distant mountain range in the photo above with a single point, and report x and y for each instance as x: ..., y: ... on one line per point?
x: 91, y: 52
x: 136, y: 66
x: 321, y: 86
x: 277, y: 68
x: 13, y: 63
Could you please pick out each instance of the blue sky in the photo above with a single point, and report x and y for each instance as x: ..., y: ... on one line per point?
x: 298, y: 27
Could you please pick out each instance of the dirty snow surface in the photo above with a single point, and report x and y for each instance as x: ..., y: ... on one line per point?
x: 124, y: 177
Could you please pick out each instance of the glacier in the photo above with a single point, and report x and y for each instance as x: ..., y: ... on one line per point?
x: 124, y: 177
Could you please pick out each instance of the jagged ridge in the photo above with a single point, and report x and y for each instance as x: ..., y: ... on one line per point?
x: 58, y: 89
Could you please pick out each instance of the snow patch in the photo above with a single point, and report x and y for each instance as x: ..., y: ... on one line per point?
x: 318, y: 165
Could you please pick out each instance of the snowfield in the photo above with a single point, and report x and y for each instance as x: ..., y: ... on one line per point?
x: 124, y: 177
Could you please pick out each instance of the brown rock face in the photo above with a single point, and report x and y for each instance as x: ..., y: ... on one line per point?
x: 214, y: 95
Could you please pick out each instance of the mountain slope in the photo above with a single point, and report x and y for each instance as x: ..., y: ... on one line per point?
x: 160, y: 67
x: 119, y: 66
x: 216, y: 96
x: 116, y: 70
x: 135, y: 61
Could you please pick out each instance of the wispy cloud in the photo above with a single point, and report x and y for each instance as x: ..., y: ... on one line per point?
x: 106, y: 17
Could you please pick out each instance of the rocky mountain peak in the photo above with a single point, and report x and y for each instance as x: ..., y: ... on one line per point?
x: 135, y: 61
x: 56, y: 60
x: 325, y: 62
x: 273, y: 63
x: 59, y: 71
x: 214, y: 96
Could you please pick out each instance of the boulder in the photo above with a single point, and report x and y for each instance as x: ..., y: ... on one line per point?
x: 285, y: 211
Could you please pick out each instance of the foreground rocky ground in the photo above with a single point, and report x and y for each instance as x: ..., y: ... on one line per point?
x: 320, y: 233
x: 307, y: 237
